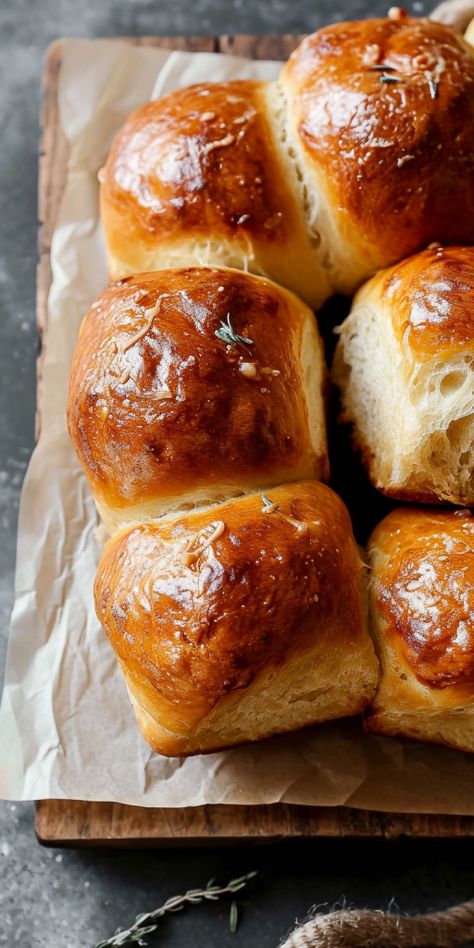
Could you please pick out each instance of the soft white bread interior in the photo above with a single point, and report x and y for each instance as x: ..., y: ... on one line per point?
x: 404, y: 365
x: 422, y: 623
x: 241, y: 620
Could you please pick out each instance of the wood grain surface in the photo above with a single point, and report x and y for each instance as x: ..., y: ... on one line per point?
x: 60, y: 822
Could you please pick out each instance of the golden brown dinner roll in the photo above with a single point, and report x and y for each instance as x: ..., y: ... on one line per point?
x: 239, y: 621
x: 198, y: 178
x: 192, y: 385
x: 381, y: 116
x: 422, y: 618
x: 405, y: 366
x: 362, y: 153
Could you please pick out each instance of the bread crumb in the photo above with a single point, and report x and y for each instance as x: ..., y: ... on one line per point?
x: 249, y: 369
x: 401, y: 161
x: 397, y: 13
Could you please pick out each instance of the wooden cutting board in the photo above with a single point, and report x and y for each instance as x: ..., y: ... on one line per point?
x: 59, y: 822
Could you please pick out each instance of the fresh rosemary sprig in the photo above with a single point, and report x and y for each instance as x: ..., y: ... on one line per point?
x: 147, y: 923
x: 227, y: 333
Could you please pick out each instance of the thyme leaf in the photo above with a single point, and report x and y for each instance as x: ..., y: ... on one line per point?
x: 383, y: 67
x: 387, y: 78
x: 233, y: 917
x: 227, y: 334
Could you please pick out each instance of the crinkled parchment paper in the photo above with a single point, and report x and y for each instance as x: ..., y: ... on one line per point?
x: 66, y: 726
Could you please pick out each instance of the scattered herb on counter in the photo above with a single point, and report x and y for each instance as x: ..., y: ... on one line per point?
x: 233, y: 917
x: 148, y: 922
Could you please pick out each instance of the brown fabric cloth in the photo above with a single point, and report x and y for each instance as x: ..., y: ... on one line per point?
x: 349, y: 928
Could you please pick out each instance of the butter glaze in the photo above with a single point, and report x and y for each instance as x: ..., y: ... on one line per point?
x: 184, y: 158
x: 158, y: 404
x: 423, y: 586
x: 431, y: 301
x: 396, y: 154
x: 259, y: 592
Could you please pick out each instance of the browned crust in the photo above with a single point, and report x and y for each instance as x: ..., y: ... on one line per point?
x: 201, y: 161
x: 430, y: 297
x: 422, y: 590
x: 160, y: 405
x: 190, y: 630
x: 398, y: 152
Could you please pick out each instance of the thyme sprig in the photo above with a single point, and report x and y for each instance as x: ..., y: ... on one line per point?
x: 227, y: 333
x: 387, y: 76
x: 148, y: 922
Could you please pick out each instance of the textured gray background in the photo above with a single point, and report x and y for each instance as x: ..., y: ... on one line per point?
x: 67, y: 898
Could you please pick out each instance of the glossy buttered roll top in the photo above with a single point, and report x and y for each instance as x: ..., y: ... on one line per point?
x: 422, y: 617
x: 192, y: 385
x: 431, y: 297
x: 361, y: 153
x: 424, y: 590
x: 239, y: 621
x: 198, y: 177
x: 383, y: 112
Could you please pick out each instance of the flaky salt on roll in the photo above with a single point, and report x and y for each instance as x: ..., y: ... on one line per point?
x: 359, y: 155
x: 192, y: 385
x: 239, y: 621
x: 422, y: 619
x: 405, y: 366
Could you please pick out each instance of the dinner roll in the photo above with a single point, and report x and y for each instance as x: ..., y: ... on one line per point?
x: 405, y: 366
x: 361, y: 153
x: 198, y: 177
x: 422, y: 618
x: 192, y: 385
x: 239, y: 621
x: 381, y: 117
